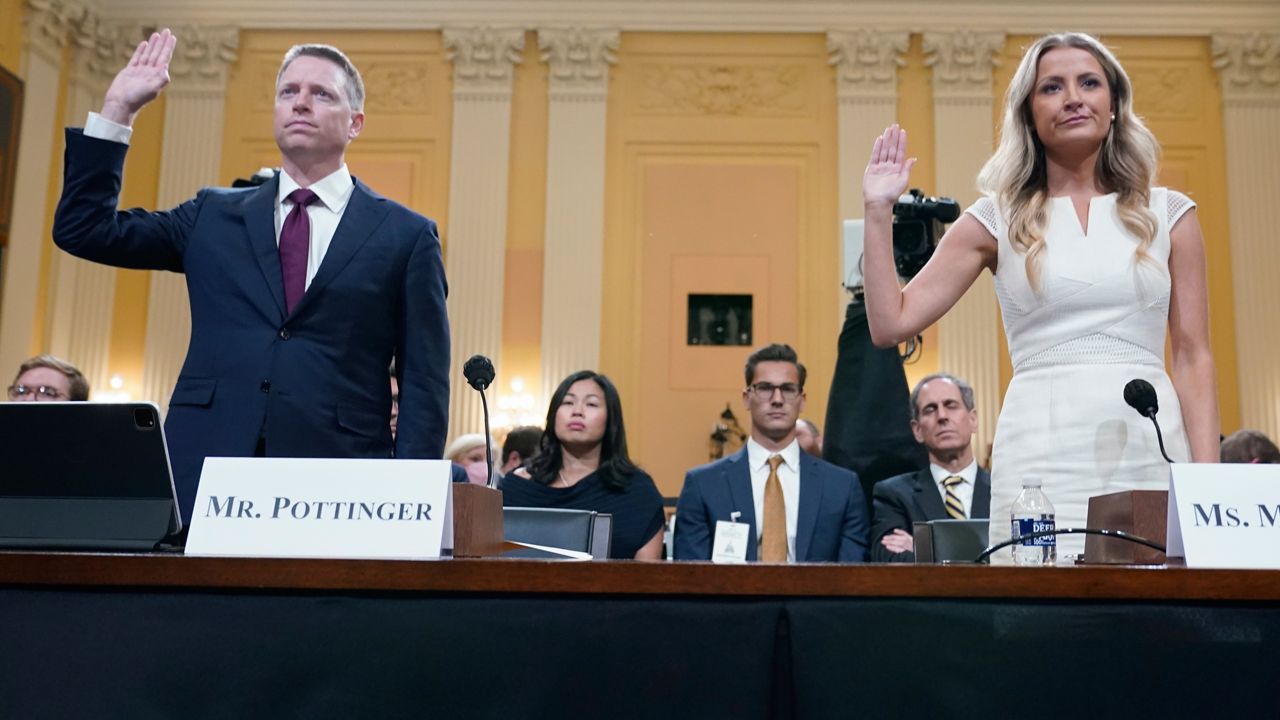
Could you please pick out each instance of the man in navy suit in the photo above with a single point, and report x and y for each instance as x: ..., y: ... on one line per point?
x: 943, y: 419
x: 302, y: 290
x: 796, y: 507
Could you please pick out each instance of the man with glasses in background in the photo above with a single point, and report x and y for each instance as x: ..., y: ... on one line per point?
x: 45, y: 378
x: 770, y: 502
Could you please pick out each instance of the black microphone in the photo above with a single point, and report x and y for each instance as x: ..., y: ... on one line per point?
x: 1141, y: 396
x: 479, y: 373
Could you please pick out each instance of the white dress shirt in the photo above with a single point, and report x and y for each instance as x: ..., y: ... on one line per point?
x: 964, y: 490
x: 334, y: 192
x: 788, y: 476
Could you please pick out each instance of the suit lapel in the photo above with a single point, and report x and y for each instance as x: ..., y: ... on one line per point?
x: 737, y: 475
x: 260, y: 223
x: 811, y: 486
x: 981, y: 495
x: 365, y: 212
x: 927, y: 496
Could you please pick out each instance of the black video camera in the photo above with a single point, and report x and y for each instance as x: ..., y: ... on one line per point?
x: 918, y: 224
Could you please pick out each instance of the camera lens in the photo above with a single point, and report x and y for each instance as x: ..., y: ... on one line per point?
x: 144, y: 418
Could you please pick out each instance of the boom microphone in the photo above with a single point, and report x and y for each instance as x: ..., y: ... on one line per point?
x: 1141, y: 396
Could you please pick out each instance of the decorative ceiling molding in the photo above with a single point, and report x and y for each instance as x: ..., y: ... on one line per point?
x: 579, y: 60
x: 483, y: 60
x: 48, y: 24
x: 1249, y: 65
x: 201, y: 61
x: 867, y: 62
x: 962, y: 62
x: 1132, y: 17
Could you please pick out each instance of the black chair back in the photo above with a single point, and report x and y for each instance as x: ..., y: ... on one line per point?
x: 944, y: 541
x: 552, y: 527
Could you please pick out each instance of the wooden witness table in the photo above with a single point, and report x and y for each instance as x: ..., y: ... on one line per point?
x: 171, y: 636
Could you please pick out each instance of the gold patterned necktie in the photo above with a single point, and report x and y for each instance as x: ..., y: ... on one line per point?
x: 773, y: 531
x: 955, y: 508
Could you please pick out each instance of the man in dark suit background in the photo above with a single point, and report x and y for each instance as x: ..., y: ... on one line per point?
x: 797, y: 507
x: 943, y: 419
x: 302, y: 290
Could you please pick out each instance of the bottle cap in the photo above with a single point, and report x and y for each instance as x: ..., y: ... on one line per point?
x: 1031, y: 482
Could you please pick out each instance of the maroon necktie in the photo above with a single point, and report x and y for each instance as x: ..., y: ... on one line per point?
x: 295, y: 240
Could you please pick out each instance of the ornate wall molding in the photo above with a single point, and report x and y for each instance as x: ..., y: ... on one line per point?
x: 202, y: 58
x: 1140, y: 17
x: 483, y: 59
x: 1168, y: 90
x: 867, y: 62
x: 579, y: 60
x: 398, y: 87
x: 101, y: 49
x: 962, y: 62
x: 722, y: 89
x: 1249, y: 66
x: 49, y: 24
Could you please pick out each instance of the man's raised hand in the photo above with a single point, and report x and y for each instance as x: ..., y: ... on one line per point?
x: 141, y: 80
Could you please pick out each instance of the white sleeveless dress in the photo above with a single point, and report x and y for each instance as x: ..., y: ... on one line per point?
x: 1097, y: 322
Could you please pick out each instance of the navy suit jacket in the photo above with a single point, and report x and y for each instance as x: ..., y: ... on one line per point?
x: 831, y: 522
x: 904, y: 500
x: 312, y: 383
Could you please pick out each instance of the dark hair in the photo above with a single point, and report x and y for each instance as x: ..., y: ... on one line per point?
x: 774, y: 353
x: 355, y: 85
x: 79, y: 385
x: 1247, y: 446
x: 966, y: 391
x: 522, y: 441
x: 615, y: 465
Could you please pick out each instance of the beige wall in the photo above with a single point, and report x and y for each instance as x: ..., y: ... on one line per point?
x: 720, y: 176
x: 720, y: 180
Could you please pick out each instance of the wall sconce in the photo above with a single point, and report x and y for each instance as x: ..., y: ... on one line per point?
x: 115, y: 392
x: 515, y: 407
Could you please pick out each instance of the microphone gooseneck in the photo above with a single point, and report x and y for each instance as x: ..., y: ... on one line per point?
x: 1141, y: 396
x: 479, y: 372
x: 1119, y: 534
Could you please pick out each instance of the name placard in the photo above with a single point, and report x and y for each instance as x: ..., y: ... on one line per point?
x: 1225, y: 516
x: 322, y: 508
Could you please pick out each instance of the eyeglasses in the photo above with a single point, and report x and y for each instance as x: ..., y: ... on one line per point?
x: 764, y: 391
x: 42, y: 392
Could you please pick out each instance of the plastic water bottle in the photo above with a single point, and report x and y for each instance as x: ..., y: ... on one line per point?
x: 1032, y: 512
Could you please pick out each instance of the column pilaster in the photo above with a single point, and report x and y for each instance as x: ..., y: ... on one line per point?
x: 1249, y: 73
x: 82, y: 293
x: 46, y: 25
x: 579, y: 60
x: 190, y: 155
x: 866, y: 63
x: 484, y: 60
x: 968, y: 335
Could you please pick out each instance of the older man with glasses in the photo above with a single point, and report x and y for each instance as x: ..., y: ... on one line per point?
x: 770, y: 502
x: 47, y: 378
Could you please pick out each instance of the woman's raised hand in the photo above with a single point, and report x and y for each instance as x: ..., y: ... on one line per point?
x: 888, y: 169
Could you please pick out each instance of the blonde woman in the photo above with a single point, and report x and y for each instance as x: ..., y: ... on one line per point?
x: 1091, y: 264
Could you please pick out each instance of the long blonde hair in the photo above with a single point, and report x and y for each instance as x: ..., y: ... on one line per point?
x: 1017, y: 176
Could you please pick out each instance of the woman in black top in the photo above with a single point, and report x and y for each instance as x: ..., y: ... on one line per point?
x: 582, y: 464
